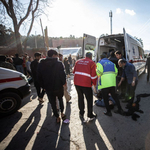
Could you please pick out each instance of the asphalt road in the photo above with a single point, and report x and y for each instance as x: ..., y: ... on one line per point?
x: 34, y: 126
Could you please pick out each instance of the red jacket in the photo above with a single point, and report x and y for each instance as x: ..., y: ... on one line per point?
x: 85, y: 72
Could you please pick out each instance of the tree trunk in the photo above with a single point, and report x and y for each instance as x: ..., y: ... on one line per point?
x: 18, y: 43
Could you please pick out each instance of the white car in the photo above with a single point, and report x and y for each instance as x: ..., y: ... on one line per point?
x: 14, y: 87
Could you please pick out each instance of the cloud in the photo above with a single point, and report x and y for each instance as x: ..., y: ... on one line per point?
x: 130, y: 12
x: 118, y: 11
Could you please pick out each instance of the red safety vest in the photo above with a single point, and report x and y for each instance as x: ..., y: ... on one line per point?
x: 85, y: 72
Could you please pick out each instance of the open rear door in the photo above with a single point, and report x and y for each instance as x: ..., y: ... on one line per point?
x: 88, y: 40
x: 126, y: 43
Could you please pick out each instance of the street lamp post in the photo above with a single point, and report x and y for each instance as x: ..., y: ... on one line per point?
x: 110, y: 15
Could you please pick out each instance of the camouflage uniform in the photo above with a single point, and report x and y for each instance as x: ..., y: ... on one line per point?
x: 7, y: 65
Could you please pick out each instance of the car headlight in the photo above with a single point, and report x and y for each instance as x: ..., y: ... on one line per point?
x: 24, y: 77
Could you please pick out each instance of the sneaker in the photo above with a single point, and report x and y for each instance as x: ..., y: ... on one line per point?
x: 93, y: 117
x: 108, y: 114
x: 121, y: 112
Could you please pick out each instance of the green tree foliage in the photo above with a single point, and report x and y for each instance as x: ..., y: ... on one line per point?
x: 20, y: 13
x: 7, y: 36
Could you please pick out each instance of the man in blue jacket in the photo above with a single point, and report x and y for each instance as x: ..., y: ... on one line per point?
x: 132, y: 79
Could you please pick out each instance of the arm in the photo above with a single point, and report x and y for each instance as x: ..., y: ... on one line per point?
x: 134, y: 76
x: 93, y: 74
x: 62, y: 74
x: 122, y: 78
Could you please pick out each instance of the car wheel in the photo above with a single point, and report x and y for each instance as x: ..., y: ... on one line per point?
x: 9, y: 103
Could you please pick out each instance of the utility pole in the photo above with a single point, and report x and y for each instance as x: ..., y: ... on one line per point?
x: 35, y: 40
x: 110, y: 15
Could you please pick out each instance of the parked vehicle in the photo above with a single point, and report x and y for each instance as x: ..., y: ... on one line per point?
x: 130, y: 47
x: 74, y: 51
x: 14, y: 87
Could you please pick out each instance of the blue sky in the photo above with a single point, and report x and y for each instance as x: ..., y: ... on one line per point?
x: 75, y: 17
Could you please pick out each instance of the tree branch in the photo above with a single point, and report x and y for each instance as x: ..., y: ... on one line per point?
x: 7, y: 7
x: 27, y: 14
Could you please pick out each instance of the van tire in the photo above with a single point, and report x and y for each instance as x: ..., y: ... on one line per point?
x: 9, y: 103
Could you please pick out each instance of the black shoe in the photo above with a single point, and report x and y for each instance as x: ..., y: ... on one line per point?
x: 108, y: 113
x: 121, y: 112
x: 81, y: 116
x: 93, y: 117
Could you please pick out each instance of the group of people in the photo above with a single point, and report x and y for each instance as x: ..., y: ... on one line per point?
x: 69, y: 64
x: 49, y: 76
x: 102, y: 76
x: 21, y: 64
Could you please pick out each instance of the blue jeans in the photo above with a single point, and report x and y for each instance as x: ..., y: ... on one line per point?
x: 19, y: 68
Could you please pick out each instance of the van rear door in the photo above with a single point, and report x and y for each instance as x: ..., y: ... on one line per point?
x: 89, y: 42
x: 126, y: 43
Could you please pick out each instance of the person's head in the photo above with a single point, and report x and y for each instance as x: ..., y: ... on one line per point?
x: 60, y: 57
x: 112, y: 54
x: 52, y: 53
x: 16, y: 55
x: 9, y: 59
x: 37, y: 56
x: 122, y: 63
x: 65, y: 59
x: 103, y: 56
x: 30, y: 58
x: 89, y: 55
x: 118, y: 54
x: 25, y: 55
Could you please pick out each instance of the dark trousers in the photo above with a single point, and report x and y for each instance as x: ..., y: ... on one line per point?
x: 87, y: 91
x: 52, y: 99
x: 40, y: 91
x: 130, y: 93
x: 105, y: 93
x: 25, y: 70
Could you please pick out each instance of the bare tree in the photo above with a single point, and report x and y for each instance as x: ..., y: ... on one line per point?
x: 19, y: 12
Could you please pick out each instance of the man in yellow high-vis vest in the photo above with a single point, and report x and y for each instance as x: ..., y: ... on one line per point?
x: 107, y: 72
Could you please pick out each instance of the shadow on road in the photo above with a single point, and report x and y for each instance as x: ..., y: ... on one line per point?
x: 7, y: 123
x: 92, y: 138
x: 25, y: 133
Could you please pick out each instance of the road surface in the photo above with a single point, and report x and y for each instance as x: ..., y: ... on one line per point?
x: 34, y: 127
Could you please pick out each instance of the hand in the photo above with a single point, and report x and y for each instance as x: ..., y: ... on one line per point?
x: 94, y: 89
x: 133, y: 84
x: 119, y: 84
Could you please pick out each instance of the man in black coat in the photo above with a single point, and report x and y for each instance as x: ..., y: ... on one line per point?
x: 34, y: 66
x: 52, y: 78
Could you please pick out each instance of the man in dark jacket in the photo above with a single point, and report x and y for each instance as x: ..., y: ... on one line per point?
x: 130, y: 73
x: 18, y: 63
x: 113, y: 58
x: 33, y: 66
x: 52, y: 78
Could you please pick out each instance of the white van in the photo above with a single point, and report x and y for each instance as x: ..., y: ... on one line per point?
x: 14, y: 87
x: 130, y: 47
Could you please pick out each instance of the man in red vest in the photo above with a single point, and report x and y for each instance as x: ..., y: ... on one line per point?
x: 84, y: 76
